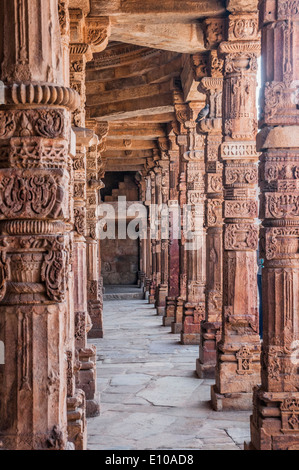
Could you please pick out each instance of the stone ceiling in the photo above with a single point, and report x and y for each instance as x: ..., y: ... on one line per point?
x: 134, y: 84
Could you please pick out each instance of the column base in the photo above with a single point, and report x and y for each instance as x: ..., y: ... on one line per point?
x: 160, y: 311
x: 205, y: 371
x: 176, y: 328
x: 274, y: 422
x: 96, y: 333
x: 167, y: 321
x: 190, y: 338
x: 230, y: 401
x: 93, y: 407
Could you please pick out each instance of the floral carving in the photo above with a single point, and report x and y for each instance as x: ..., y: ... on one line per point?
x: 241, y: 237
x: 53, y: 273
x: 30, y: 196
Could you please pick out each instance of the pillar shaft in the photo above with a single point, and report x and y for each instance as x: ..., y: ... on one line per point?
x: 174, y: 253
x: 195, y: 243
x: 211, y: 326
x: 36, y: 295
x: 238, y: 361
x: 181, y: 137
x: 275, y: 420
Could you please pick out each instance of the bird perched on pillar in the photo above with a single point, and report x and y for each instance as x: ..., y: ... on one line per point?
x: 203, y: 113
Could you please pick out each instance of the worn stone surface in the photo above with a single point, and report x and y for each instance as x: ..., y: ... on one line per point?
x: 153, y: 399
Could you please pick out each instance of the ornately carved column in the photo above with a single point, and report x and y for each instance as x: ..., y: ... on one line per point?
x: 80, y: 53
x: 35, y: 215
x: 275, y: 420
x: 194, y: 306
x: 158, y: 241
x: 94, y: 285
x: 182, y: 116
x: 238, y: 356
x: 173, y: 249
x: 162, y: 290
x: 153, y: 282
x: 211, y: 326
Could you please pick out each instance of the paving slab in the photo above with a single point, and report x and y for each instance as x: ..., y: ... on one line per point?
x: 151, y: 398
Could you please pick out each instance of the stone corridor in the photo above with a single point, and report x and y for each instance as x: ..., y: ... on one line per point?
x: 151, y: 397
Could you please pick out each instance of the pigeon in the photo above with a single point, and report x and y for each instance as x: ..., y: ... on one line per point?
x: 203, y: 113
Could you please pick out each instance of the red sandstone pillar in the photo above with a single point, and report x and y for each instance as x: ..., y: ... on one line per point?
x: 238, y: 356
x: 211, y: 326
x: 275, y: 420
x: 182, y: 116
x: 162, y: 290
x: 194, y: 306
x: 173, y: 204
x: 36, y: 295
x: 153, y: 281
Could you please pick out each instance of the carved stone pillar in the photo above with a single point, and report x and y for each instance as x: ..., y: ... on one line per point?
x: 35, y: 216
x: 174, y: 253
x: 102, y: 132
x: 94, y: 285
x: 162, y: 290
x: 195, y: 245
x: 182, y: 116
x: 211, y: 326
x: 80, y: 53
x: 64, y: 22
x: 153, y: 282
x: 275, y: 420
x: 238, y: 355
x: 148, y: 243
x: 158, y: 241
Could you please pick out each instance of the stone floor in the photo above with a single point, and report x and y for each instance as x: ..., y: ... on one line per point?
x: 151, y: 397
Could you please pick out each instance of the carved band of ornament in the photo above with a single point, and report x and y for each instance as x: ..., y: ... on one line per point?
x: 212, y: 83
x: 34, y: 152
x: 239, y: 150
x: 247, y: 209
x: 280, y: 242
x: 42, y: 123
x: 274, y: 170
x: 241, y: 175
x: 287, y: 9
x: 31, y: 227
x: 243, y: 27
x: 40, y: 194
x: 47, y: 262
x: 280, y: 205
x: 79, y: 49
x: 241, y: 47
x: 241, y: 237
x: 48, y: 94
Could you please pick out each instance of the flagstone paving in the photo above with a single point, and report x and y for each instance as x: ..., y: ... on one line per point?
x: 151, y: 397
